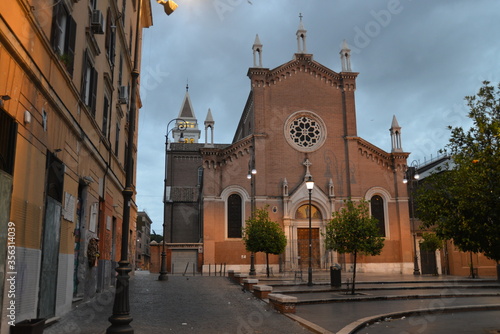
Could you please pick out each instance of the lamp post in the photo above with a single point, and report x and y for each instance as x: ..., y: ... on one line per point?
x: 310, y: 186
x: 411, y: 177
x: 163, y: 269
x: 251, y: 176
x: 120, y: 319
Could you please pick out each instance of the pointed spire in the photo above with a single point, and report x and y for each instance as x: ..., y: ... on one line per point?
x: 395, y: 123
x: 395, y: 136
x: 301, y: 37
x: 187, y: 125
x: 187, y: 108
x: 209, y: 118
x: 345, y: 57
x: 209, y: 124
x: 257, y: 41
x: 257, y: 49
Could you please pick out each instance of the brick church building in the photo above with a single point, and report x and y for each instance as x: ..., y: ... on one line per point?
x: 299, y: 121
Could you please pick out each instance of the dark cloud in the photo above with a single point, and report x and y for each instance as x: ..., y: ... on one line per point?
x: 417, y: 60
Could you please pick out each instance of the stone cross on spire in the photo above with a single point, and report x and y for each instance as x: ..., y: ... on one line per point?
x: 307, y: 163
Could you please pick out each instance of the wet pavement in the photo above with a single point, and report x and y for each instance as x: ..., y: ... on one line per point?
x: 201, y: 304
x: 334, y: 317
x: 484, y: 322
x: 180, y: 305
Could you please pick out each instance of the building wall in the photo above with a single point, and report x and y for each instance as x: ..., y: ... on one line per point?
x: 54, y: 120
x: 459, y: 263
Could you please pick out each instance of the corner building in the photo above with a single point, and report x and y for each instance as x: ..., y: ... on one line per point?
x: 300, y: 121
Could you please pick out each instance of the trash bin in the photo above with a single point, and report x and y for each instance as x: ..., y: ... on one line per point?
x: 31, y: 326
x: 335, y: 277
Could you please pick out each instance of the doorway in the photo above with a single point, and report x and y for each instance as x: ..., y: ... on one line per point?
x: 50, y: 237
x: 303, y: 247
x: 428, y: 262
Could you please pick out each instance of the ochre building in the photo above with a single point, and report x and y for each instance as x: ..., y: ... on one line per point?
x: 65, y: 86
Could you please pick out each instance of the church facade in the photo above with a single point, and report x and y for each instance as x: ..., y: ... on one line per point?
x: 299, y: 122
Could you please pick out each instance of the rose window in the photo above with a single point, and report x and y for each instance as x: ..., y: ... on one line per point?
x: 305, y: 131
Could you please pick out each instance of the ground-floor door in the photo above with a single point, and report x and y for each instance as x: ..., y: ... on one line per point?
x: 428, y: 262
x: 303, y: 247
x: 184, y: 260
x: 50, y: 237
x: 7, y: 228
x: 50, y: 254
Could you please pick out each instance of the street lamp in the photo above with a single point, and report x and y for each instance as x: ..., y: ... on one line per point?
x: 180, y: 126
x: 310, y: 186
x: 120, y: 319
x: 411, y: 178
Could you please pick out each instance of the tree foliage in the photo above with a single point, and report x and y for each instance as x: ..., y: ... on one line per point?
x: 353, y: 230
x: 156, y: 237
x: 430, y: 242
x: 462, y: 202
x: 261, y: 234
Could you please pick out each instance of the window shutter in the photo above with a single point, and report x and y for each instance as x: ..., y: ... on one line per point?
x: 112, y: 47
x: 84, y: 77
x: 93, y: 91
x: 70, y: 43
x: 54, y: 37
x: 105, y: 115
x: 108, y: 31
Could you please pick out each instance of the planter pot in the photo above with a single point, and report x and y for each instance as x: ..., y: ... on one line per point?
x: 32, y: 326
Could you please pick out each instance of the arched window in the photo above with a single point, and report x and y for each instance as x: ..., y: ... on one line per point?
x: 377, y: 209
x: 200, y: 175
x: 234, y: 216
x: 303, y: 212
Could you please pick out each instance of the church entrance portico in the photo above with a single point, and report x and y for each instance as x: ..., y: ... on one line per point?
x: 297, y: 231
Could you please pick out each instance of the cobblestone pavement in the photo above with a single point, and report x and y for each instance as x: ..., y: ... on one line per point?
x: 180, y: 305
x: 187, y: 304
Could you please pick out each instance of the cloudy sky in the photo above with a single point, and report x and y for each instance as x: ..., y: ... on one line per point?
x: 416, y: 60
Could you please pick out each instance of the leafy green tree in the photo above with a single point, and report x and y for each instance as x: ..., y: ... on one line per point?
x: 353, y: 230
x: 462, y: 202
x: 261, y: 234
x: 156, y: 237
x: 430, y: 242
